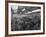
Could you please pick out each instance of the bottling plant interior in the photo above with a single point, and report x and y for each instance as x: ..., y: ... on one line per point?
x: 25, y: 18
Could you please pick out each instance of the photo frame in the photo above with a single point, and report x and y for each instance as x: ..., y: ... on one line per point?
x: 24, y: 18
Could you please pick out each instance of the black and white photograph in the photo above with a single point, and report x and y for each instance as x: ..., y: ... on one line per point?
x: 25, y: 18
